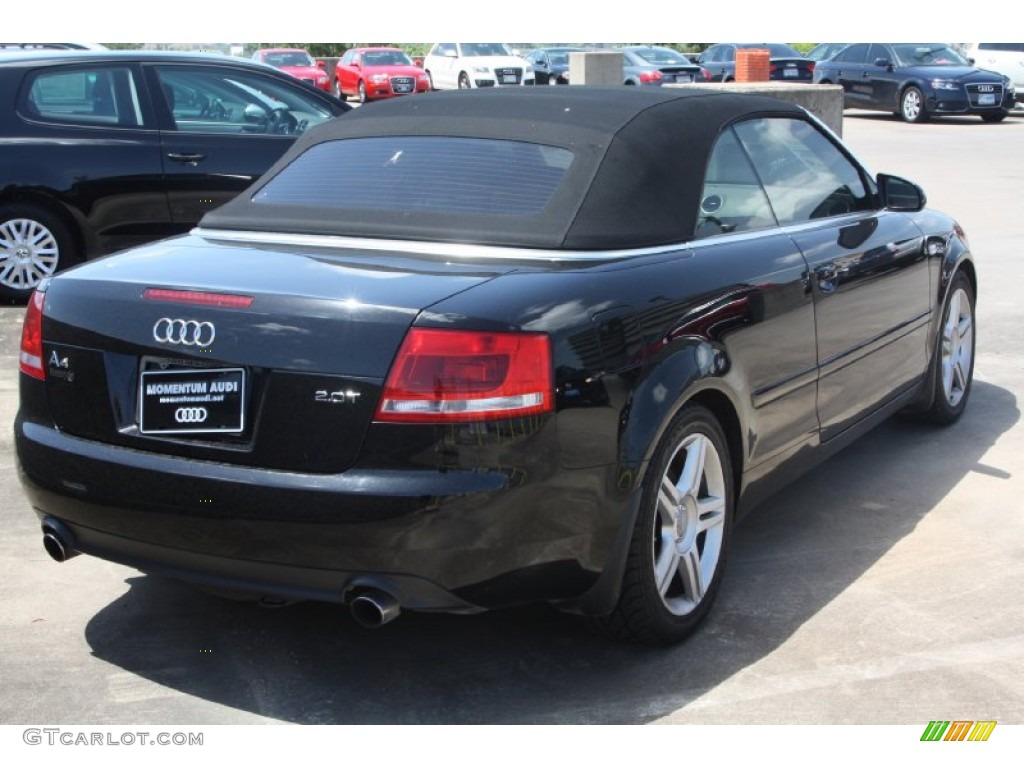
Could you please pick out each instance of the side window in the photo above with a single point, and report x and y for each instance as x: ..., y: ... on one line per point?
x: 804, y: 173
x: 221, y: 100
x: 879, y: 52
x: 105, y: 96
x: 855, y: 54
x: 445, y: 49
x: 732, y: 199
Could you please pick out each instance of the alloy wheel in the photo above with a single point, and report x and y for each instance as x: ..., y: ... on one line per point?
x: 28, y: 253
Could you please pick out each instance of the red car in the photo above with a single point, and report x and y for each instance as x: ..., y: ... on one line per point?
x: 378, y: 73
x: 296, y: 62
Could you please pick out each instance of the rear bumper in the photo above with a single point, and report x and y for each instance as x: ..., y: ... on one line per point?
x: 438, y: 540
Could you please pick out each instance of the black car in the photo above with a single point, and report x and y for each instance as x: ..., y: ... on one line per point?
x: 784, y: 62
x: 657, y: 65
x: 100, y: 150
x: 551, y: 65
x: 823, y: 51
x: 480, y: 349
x: 917, y: 81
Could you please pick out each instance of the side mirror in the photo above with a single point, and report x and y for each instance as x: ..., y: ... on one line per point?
x: 883, y: 63
x: 898, y: 194
x: 450, y: 54
x: 970, y: 61
x: 320, y: 64
x: 255, y: 115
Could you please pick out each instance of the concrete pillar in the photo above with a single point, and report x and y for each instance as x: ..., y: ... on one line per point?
x: 595, y: 68
x: 823, y: 101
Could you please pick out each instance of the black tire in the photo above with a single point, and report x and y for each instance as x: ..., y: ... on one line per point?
x: 680, y: 540
x: 998, y: 117
x: 363, y: 98
x: 464, y: 81
x: 953, y: 359
x: 912, y: 107
x: 430, y: 81
x: 42, y: 245
x: 336, y: 90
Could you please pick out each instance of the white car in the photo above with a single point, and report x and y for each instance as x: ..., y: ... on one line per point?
x: 1004, y: 58
x: 475, y: 65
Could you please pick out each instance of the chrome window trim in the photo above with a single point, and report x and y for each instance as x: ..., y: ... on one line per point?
x: 428, y: 248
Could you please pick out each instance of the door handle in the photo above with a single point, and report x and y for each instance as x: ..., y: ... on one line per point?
x: 187, y: 158
x: 828, y: 278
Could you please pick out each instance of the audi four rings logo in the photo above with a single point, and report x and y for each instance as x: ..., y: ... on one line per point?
x: 190, y: 415
x: 986, y: 88
x: 190, y: 333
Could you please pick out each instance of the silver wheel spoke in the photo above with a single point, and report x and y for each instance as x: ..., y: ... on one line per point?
x: 693, y: 469
x: 711, y: 511
x: 690, y: 574
x: 666, y: 567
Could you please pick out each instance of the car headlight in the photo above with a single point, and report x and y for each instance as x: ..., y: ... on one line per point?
x: 945, y: 85
x: 379, y: 78
x: 1008, y: 85
x: 482, y: 70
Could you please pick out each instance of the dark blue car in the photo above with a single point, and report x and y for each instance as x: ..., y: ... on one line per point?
x: 917, y: 81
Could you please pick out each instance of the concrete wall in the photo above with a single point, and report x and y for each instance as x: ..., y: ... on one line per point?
x: 595, y: 68
x: 823, y: 101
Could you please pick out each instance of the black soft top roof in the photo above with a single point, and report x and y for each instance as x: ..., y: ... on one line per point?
x: 635, y: 181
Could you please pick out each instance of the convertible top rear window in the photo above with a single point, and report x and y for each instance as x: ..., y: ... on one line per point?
x: 422, y: 173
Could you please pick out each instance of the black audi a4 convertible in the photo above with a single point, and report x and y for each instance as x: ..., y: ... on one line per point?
x: 477, y: 349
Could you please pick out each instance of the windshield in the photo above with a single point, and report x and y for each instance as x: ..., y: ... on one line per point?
x: 927, y: 53
x: 289, y: 59
x: 385, y: 59
x: 485, y: 49
x: 661, y: 56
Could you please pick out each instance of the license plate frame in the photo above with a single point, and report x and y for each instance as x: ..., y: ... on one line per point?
x: 192, y: 401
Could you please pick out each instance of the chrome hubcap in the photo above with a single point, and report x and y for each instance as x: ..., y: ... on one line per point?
x: 690, y: 524
x: 957, y: 347
x: 28, y: 253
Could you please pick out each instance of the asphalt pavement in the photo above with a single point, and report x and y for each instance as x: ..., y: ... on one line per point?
x: 882, y: 588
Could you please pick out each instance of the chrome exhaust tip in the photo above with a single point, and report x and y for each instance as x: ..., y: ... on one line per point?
x: 57, y: 541
x: 374, y: 608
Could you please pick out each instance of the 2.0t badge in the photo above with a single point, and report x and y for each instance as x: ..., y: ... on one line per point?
x: 190, y: 333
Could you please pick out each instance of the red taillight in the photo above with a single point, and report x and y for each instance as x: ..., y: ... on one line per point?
x: 650, y: 77
x: 773, y: 68
x: 442, y: 376
x: 707, y: 74
x: 810, y: 67
x: 198, y: 298
x: 31, y: 359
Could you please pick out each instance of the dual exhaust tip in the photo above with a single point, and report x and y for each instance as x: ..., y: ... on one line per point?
x: 371, y: 607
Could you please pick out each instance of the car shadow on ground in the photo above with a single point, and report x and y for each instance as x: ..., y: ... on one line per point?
x: 890, y: 117
x: 311, y: 663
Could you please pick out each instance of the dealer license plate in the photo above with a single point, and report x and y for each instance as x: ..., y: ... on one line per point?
x: 791, y: 72
x: 192, y: 401
x: 987, y: 99
x: 508, y: 79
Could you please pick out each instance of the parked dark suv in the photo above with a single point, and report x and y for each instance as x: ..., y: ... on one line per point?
x: 100, y: 150
x: 916, y: 81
